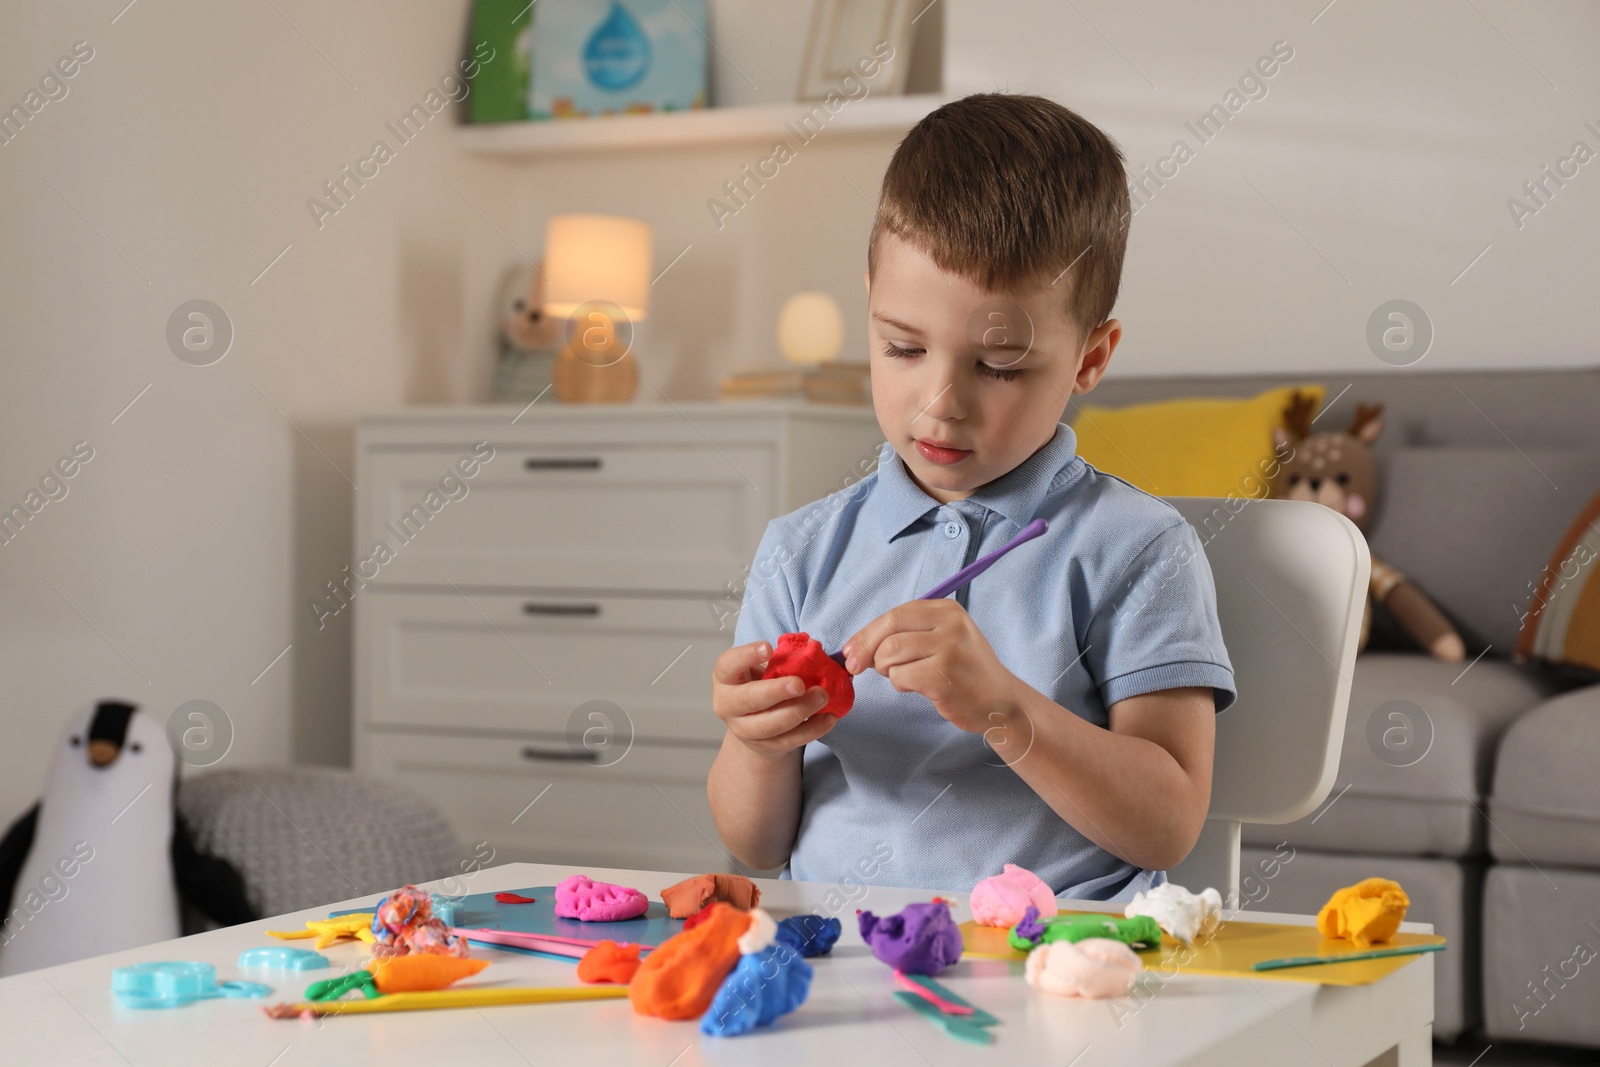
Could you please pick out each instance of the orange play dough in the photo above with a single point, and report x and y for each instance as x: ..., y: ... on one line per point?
x: 681, y: 976
x: 421, y: 972
x: 692, y: 894
x: 609, y: 962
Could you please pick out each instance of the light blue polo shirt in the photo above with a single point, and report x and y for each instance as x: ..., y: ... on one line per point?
x: 1114, y: 600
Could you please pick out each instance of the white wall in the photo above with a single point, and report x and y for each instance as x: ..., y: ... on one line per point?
x: 1390, y: 142
x: 191, y: 141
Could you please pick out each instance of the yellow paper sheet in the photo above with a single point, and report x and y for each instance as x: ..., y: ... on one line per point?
x: 1236, y: 947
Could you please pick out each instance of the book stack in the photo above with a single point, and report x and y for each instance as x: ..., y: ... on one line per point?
x: 819, y: 383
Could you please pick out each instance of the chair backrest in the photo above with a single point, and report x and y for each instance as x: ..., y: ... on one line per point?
x: 1291, y: 579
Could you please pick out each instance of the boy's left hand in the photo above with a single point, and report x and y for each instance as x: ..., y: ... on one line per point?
x: 932, y: 647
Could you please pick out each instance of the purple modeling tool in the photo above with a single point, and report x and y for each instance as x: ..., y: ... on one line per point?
x: 972, y: 570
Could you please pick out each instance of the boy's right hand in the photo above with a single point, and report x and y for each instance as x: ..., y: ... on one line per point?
x: 772, y: 716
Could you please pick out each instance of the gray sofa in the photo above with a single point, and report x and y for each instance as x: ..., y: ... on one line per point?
x: 1476, y: 786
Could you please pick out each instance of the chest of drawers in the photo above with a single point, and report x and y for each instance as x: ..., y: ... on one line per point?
x: 538, y: 604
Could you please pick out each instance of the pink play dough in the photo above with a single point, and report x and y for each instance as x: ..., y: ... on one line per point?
x: 1001, y: 900
x: 579, y: 897
x: 1094, y: 968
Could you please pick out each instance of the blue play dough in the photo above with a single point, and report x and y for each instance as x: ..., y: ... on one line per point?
x: 764, y: 985
x: 812, y: 935
x: 282, y: 958
x: 171, y: 985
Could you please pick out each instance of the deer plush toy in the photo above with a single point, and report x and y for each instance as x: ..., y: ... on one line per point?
x: 1336, y: 468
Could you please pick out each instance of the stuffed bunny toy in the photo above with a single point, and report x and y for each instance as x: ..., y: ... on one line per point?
x: 1336, y: 468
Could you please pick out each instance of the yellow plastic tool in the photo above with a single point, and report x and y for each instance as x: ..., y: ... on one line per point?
x: 1236, y: 949
x: 466, y: 998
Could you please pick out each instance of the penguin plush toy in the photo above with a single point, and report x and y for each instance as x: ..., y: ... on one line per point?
x: 103, y: 860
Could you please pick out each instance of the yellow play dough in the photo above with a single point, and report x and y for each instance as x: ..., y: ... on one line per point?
x: 1367, y: 912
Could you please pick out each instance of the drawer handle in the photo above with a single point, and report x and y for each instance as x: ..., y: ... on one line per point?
x: 561, y: 463
x: 533, y: 608
x: 557, y: 755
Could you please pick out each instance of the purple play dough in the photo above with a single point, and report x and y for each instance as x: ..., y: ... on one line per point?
x: 1030, y: 928
x: 920, y: 939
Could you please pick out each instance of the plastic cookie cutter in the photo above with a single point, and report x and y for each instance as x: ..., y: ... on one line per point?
x: 359, y: 980
x: 346, y: 926
x: 282, y: 958
x: 174, y: 984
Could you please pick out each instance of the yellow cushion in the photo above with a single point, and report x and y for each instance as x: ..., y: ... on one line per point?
x: 1201, y: 446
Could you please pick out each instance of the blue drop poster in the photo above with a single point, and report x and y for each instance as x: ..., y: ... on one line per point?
x: 617, y: 57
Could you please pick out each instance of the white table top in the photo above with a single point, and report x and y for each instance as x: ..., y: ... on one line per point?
x: 66, y: 1014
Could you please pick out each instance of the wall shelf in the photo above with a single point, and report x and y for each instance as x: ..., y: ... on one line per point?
x: 530, y: 140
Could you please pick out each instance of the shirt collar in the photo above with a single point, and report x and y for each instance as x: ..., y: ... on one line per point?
x: 1016, y: 495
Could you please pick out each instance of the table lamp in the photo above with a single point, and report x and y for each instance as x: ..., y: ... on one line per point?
x: 597, y: 277
x: 810, y: 328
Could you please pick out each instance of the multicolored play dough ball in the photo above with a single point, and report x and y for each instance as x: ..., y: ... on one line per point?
x: 798, y: 656
x: 681, y: 976
x: 770, y: 980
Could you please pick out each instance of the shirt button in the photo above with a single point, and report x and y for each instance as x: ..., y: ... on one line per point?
x: 952, y: 529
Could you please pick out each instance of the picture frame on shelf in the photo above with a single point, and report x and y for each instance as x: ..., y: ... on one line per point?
x: 846, y: 32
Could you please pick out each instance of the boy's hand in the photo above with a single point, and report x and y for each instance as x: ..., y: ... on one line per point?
x: 933, y: 647
x: 772, y: 717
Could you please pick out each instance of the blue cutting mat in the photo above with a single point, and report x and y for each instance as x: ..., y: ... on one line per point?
x: 482, y: 910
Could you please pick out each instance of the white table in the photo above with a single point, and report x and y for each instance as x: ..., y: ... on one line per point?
x: 66, y: 1014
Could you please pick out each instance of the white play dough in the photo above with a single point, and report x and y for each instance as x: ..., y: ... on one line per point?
x: 1186, y: 916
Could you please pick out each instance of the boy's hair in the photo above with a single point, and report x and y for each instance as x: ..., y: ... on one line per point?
x: 1004, y: 190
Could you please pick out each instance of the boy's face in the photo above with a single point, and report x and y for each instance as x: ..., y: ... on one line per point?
x: 986, y: 374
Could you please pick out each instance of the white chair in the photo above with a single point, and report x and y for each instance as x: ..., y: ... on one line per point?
x: 1291, y: 580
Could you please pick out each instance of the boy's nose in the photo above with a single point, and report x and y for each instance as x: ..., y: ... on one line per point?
x: 945, y: 403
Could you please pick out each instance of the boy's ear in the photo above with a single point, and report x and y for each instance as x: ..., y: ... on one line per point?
x: 866, y: 278
x: 1097, y: 349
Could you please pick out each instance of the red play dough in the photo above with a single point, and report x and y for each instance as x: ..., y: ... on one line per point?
x: 798, y: 656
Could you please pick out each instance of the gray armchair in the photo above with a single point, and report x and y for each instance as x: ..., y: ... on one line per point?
x: 300, y: 837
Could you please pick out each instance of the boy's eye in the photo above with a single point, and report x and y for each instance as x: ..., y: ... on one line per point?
x: 894, y: 351
x: 998, y: 374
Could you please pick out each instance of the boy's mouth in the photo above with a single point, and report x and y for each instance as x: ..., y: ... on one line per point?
x: 941, y: 454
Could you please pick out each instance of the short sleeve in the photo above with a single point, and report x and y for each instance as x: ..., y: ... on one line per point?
x: 1157, y: 628
x: 767, y: 611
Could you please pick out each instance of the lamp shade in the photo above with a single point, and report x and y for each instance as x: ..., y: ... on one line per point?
x: 596, y: 257
x: 810, y: 328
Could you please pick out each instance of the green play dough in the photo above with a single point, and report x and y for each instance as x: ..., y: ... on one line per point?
x: 1137, y: 932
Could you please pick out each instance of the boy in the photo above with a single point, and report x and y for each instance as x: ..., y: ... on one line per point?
x: 1058, y: 711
